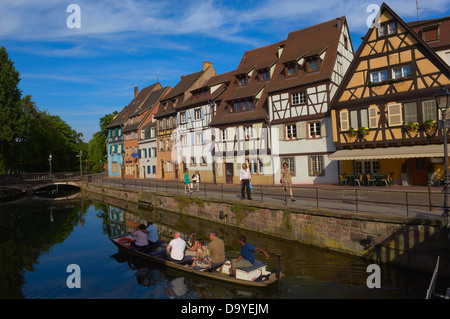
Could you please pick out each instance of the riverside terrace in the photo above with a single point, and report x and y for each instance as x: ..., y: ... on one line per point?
x: 410, y: 201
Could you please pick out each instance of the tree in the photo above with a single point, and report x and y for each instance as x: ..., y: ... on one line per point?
x: 97, y: 155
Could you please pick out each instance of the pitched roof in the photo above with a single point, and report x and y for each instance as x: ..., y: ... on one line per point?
x: 152, y: 100
x: 306, y: 43
x: 133, y: 106
x: 443, y: 40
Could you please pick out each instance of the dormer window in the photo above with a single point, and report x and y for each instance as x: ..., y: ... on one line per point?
x: 312, y: 65
x: 242, y: 80
x: 264, y: 75
x: 290, y: 70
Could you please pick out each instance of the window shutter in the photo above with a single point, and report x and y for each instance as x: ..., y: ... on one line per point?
x: 323, y: 128
x: 395, y: 114
x: 281, y: 132
x: 373, y: 117
x: 301, y: 130
x: 139, y: 153
x: 343, y: 116
x: 178, y: 119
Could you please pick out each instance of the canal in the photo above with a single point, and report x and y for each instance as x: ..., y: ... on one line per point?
x: 40, y: 239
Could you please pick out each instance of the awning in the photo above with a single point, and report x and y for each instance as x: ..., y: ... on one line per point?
x: 432, y: 150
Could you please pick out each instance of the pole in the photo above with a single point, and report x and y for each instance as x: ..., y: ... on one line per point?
x: 446, y: 170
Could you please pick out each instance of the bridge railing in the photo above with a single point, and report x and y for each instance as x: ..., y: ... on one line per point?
x: 36, y: 177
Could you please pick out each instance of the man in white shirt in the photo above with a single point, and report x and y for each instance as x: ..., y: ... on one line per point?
x: 176, y: 247
x: 245, y: 177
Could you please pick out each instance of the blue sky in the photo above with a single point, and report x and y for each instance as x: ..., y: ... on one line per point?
x: 84, y: 73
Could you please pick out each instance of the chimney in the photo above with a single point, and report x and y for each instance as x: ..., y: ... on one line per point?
x: 206, y: 65
x: 136, y: 91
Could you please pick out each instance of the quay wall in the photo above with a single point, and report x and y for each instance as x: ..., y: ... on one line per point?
x: 410, y: 242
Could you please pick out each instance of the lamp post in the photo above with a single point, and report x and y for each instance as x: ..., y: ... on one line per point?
x: 50, y: 164
x: 442, y: 99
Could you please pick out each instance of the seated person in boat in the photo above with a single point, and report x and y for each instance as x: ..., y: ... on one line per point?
x: 217, y: 249
x: 191, y: 245
x: 141, y: 237
x: 152, y: 235
x: 247, y: 255
x: 202, y: 258
x: 176, y: 247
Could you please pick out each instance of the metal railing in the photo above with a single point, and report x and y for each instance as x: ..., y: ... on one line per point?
x: 351, y: 199
x: 37, y: 177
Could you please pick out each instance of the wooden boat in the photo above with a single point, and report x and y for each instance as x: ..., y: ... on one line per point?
x: 256, y: 276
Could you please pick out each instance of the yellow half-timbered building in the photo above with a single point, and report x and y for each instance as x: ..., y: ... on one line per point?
x: 384, y: 114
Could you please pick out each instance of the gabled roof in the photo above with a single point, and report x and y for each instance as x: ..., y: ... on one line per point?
x: 307, y: 43
x: 152, y: 100
x: 133, y: 106
x: 222, y: 79
x: 251, y: 62
x: 438, y: 62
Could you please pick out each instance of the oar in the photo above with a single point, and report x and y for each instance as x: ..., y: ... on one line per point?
x: 278, y: 255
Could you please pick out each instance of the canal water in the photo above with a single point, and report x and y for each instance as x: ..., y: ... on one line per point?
x: 40, y: 240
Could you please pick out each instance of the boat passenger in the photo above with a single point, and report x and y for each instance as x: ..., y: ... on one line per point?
x: 141, y: 237
x: 152, y: 236
x: 203, y: 256
x: 217, y: 250
x: 176, y: 247
x: 191, y: 245
x: 247, y: 255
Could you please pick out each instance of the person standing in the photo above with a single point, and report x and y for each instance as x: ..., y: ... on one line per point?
x: 245, y: 179
x: 196, y: 181
x: 286, y: 180
x: 187, y: 182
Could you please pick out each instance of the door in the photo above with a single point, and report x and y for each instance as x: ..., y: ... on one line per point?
x: 418, y: 171
x: 177, y: 166
x: 162, y: 169
x: 229, y: 172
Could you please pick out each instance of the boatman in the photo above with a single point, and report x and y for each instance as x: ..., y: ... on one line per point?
x: 247, y: 256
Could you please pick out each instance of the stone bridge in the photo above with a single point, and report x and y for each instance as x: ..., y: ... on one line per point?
x: 32, y: 182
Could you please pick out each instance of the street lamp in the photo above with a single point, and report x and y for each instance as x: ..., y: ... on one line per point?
x: 50, y: 164
x: 442, y: 98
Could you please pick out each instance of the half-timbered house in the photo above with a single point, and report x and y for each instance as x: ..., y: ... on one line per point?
x: 311, y: 66
x: 169, y: 167
x: 385, y: 118
x: 194, y: 136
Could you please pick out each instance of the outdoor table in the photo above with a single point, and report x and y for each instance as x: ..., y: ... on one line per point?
x: 350, y: 179
x: 379, y: 178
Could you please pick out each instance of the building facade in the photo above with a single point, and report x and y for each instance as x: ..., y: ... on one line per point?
x: 385, y: 118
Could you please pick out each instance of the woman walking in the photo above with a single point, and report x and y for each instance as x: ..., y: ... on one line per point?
x: 187, y: 182
x: 286, y: 180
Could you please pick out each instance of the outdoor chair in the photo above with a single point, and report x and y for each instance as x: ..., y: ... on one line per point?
x: 342, y: 180
x: 371, y: 180
x: 359, y: 180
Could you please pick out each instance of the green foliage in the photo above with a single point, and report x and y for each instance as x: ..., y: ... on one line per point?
x: 28, y: 135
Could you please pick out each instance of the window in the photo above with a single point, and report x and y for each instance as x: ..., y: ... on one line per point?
x: 313, y: 65
x: 291, y: 131
x: 387, y: 29
x: 183, y: 117
x: 343, y: 118
x: 290, y: 161
x: 410, y: 112
x: 193, y: 161
x: 314, y: 129
x: 198, y: 114
x: 199, y: 138
x: 238, y: 106
x: 298, y: 98
x: 169, y: 167
x: 430, y: 34
x: 364, y: 118
x: 248, y: 132
x: 224, y: 134
x: 204, y: 162
x: 264, y: 75
x: 354, y: 119
x: 378, y: 76
x: 429, y: 110
x: 290, y: 70
x: 401, y: 71
x: 242, y: 80
x: 316, y: 165
x: 395, y: 114
x: 367, y: 167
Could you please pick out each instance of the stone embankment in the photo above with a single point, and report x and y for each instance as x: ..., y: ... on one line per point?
x: 411, y: 242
